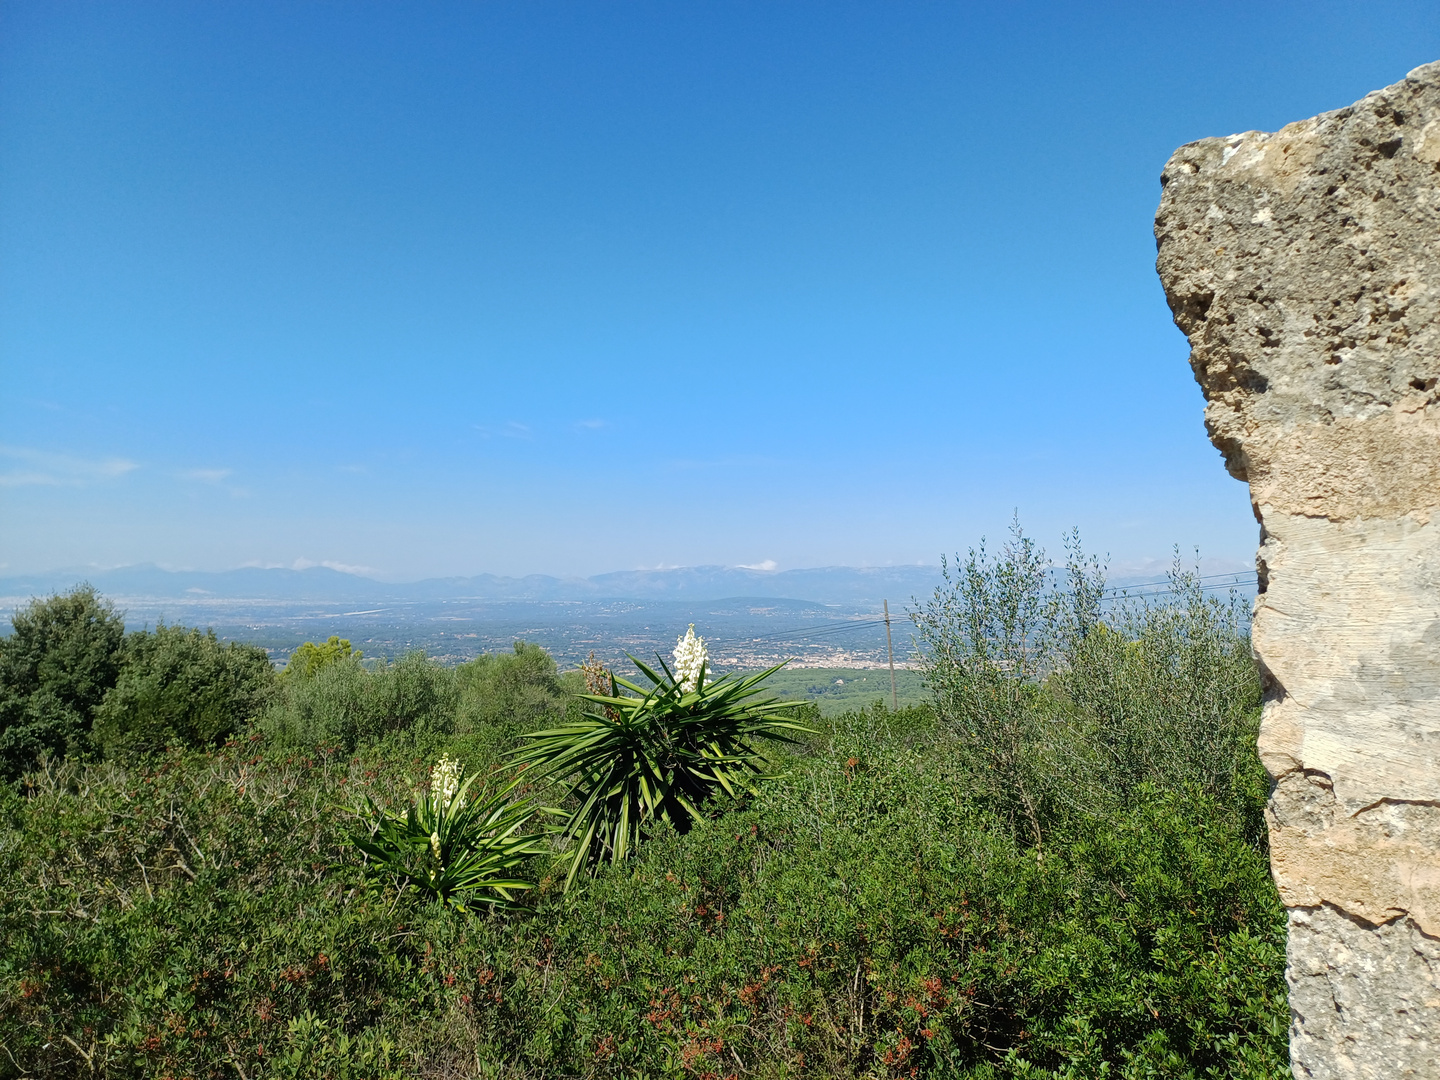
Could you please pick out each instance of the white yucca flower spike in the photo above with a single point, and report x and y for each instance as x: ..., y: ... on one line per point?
x: 690, y: 658
x: 445, y: 779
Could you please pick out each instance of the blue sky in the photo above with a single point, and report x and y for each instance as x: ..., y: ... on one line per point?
x: 567, y: 287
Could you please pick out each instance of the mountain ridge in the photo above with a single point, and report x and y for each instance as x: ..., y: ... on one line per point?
x: 833, y: 584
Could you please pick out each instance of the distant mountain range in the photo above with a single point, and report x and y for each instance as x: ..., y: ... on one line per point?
x: 825, y: 585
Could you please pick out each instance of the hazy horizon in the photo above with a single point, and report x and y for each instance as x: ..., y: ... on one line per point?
x: 1131, y: 567
x: 822, y: 616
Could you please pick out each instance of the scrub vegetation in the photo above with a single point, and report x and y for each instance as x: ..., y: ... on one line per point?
x: 1053, y: 867
x: 838, y: 690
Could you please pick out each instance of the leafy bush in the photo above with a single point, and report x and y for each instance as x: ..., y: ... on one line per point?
x: 1168, y: 694
x: 171, y: 917
x: 55, y: 668
x: 309, y: 658
x: 987, y: 636
x: 512, y: 691
x: 864, y: 917
x: 346, y: 705
x: 331, y: 699
x: 865, y: 920
x: 1062, y: 700
x: 319, y: 1049
x: 180, y: 687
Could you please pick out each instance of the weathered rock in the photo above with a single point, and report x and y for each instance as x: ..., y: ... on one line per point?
x: 1304, y: 266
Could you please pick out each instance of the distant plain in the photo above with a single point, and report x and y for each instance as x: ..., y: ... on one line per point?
x: 832, y: 633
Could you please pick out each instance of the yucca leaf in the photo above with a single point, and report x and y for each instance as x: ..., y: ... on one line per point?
x: 480, y: 840
x: 655, y: 753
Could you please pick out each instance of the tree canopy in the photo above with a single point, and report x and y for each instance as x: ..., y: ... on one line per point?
x: 310, y: 658
x: 181, y: 686
x: 55, y: 669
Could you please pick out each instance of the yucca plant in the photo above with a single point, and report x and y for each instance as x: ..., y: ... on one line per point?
x: 656, y: 754
x: 462, y: 851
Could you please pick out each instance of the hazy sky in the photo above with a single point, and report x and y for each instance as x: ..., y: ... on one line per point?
x: 512, y: 287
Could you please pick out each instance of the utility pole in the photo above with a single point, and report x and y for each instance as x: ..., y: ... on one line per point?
x: 894, y: 700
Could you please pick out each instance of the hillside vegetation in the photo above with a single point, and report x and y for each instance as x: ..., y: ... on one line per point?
x: 837, y: 690
x: 1053, y: 868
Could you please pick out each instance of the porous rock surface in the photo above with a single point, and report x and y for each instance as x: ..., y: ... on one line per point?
x: 1304, y: 266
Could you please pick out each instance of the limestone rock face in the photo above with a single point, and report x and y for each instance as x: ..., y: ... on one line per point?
x: 1304, y: 266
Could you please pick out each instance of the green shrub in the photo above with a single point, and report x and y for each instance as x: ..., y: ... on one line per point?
x: 309, y: 658
x: 1061, y: 702
x: 319, y: 1049
x: 171, y: 918
x: 181, y: 687
x: 55, y: 668
x: 416, y: 704
x: 513, y: 691
x: 347, y: 705
x: 865, y: 921
x: 987, y: 636
x: 1168, y: 694
x: 863, y: 917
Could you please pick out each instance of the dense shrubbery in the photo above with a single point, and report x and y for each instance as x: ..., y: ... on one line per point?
x: 73, y: 683
x: 309, y: 657
x: 1062, y: 701
x: 344, y: 704
x: 341, y: 703
x: 512, y: 691
x: 1054, y: 872
x: 179, y: 687
x: 861, y: 919
x: 55, y: 669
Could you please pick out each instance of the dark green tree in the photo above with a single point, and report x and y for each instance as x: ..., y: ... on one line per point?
x: 181, y: 686
x: 55, y: 669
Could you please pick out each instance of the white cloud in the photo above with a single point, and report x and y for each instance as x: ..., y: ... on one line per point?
x: 41, y: 468
x: 208, y: 476
x: 591, y: 425
x: 331, y: 564
x: 767, y: 565
x: 511, y: 429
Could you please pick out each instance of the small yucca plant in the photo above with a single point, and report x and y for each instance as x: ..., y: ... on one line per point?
x: 462, y: 851
x: 656, y: 754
